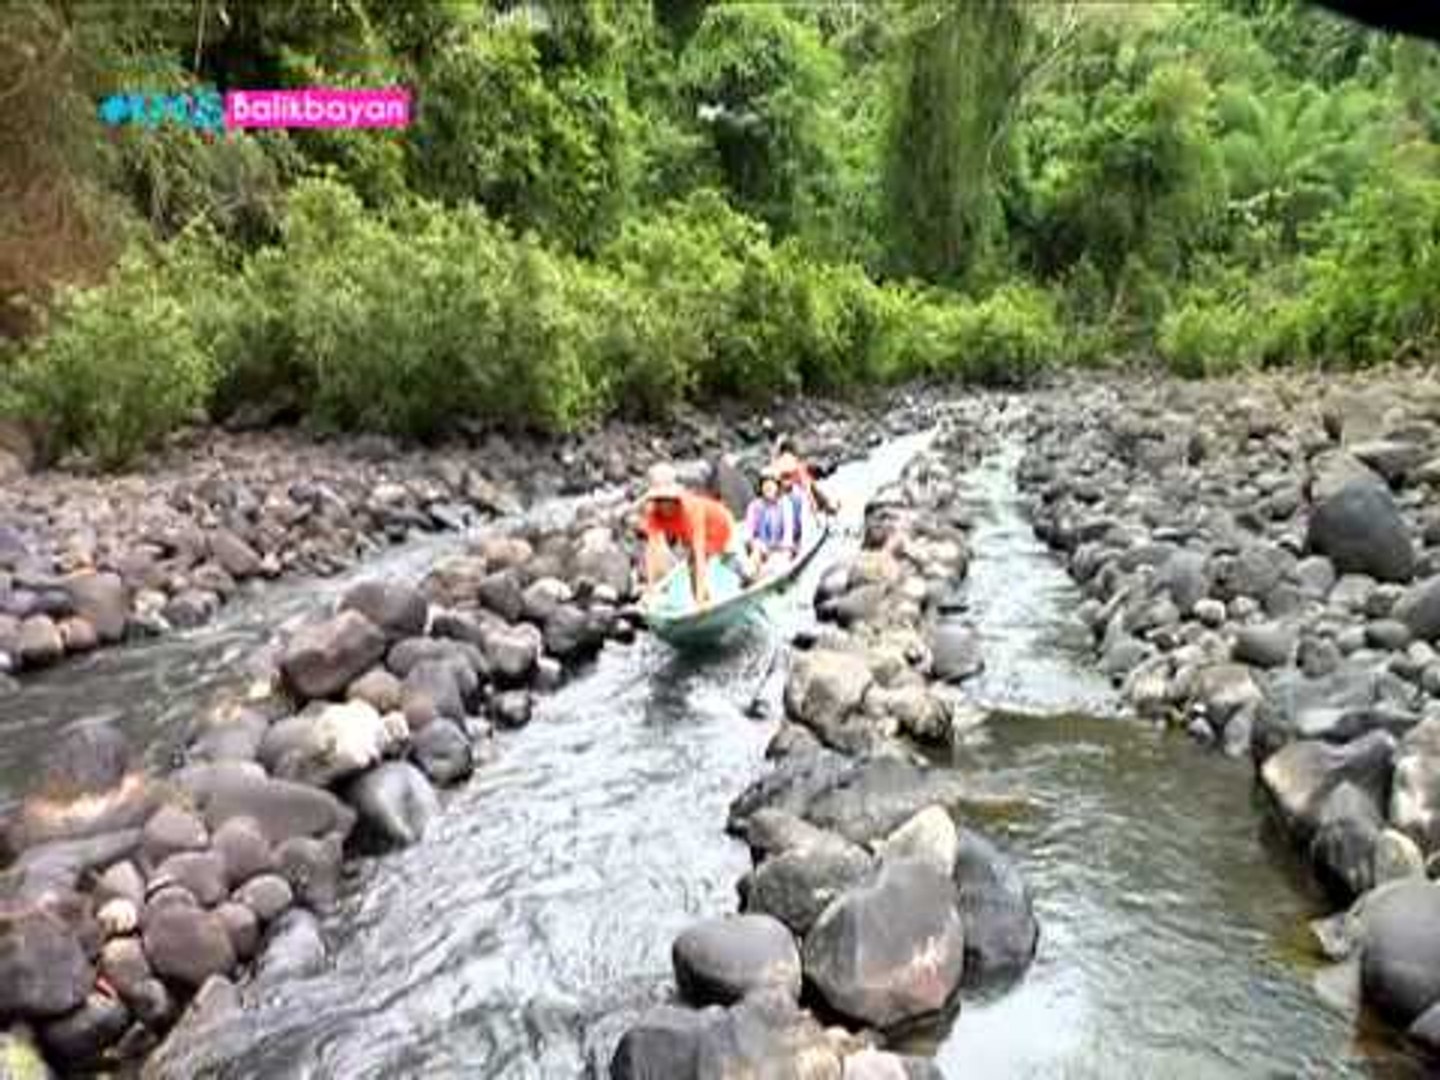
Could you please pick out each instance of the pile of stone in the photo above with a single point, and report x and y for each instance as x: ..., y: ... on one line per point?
x: 867, y: 902
x: 127, y: 895
x: 1262, y: 564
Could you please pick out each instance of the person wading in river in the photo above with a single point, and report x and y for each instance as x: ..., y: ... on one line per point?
x: 702, y: 526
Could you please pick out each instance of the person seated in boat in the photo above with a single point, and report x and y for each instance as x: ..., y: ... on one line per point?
x: 769, y: 527
x: 804, y: 496
x: 698, y: 524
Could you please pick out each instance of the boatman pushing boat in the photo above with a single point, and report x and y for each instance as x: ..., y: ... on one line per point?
x: 699, y: 524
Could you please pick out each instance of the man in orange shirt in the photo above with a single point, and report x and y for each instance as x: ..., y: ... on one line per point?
x: 698, y: 523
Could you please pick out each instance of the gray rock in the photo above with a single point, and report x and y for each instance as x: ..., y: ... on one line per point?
x: 1361, y: 530
x: 311, y: 867
x: 321, y: 660
x: 1414, y: 805
x: 996, y: 910
x: 395, y: 802
x: 511, y: 708
x: 719, y: 961
x: 1347, y: 832
x: 378, y: 688
x: 39, y: 643
x: 1400, y: 956
x: 397, y: 610
x: 890, y: 951
x: 244, y: 850
x: 1419, y: 609
x: 102, y: 600
x: 929, y: 837
x: 796, y: 885
x: 955, y: 650
x: 1267, y: 645
x: 294, y: 948
x: 170, y: 830
x: 1301, y: 776
x: 267, y: 895
x: 243, y: 926
x: 187, y: 944
x: 443, y: 752
x: 200, y: 873
x: 81, y: 1037
x: 281, y: 809
x: 43, y: 969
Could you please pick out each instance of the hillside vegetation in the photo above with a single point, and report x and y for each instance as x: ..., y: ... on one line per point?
x: 607, y: 206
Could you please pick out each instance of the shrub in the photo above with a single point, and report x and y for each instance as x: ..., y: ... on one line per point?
x: 121, y: 368
x: 1207, y: 337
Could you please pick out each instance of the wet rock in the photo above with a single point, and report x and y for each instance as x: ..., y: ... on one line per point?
x: 877, y: 796
x: 237, y: 738
x: 124, y: 966
x: 44, y: 970
x: 929, y: 837
x: 1316, y: 575
x: 1301, y: 776
x: 503, y: 594
x: 436, y: 689
x: 825, y: 686
x: 170, y: 830
x: 395, y: 802
x: 39, y: 643
x: 1318, y: 657
x: 81, y: 1037
x: 443, y: 752
x: 889, y: 951
x: 187, y: 944
x: 282, y: 809
x: 796, y: 885
x: 321, y: 660
x: 405, y: 656
x: 1265, y: 646
x: 236, y: 557
x: 311, y: 867
x: 189, y: 608
x: 243, y: 848
x: 294, y: 948
x: 955, y: 650
x: 1361, y: 530
x: 325, y: 744
x: 1388, y: 634
x: 1400, y: 956
x: 267, y: 895
x: 121, y: 881
x: 766, y: 1035
x: 397, y: 610
x: 1185, y: 576
x: 1397, y: 856
x: 512, y: 653
x: 1210, y: 612
x: 719, y: 961
x: 1347, y: 832
x: 511, y: 708
x: 243, y: 927
x: 201, y: 873
x: 996, y: 909
x: 102, y: 600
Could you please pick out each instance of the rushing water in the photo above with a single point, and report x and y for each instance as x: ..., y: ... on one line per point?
x: 536, y: 917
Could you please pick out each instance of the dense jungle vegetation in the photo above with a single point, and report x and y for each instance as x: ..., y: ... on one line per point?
x: 612, y: 205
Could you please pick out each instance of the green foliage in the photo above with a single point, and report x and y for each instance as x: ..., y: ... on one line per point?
x: 122, y: 367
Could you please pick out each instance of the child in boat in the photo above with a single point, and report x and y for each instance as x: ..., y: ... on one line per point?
x: 769, y: 527
x: 697, y: 523
x: 803, y: 495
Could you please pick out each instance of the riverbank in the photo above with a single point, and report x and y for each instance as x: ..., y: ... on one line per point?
x: 91, y: 561
x: 1262, y: 565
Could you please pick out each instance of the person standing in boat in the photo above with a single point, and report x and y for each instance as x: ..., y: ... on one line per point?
x: 698, y: 524
x: 804, y: 496
x: 769, y: 526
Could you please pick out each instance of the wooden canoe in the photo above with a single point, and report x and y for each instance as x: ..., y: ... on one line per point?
x: 669, y: 608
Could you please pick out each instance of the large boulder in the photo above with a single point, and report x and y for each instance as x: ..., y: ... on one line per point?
x: 397, y: 609
x: 879, y: 795
x: 796, y: 885
x: 719, y: 961
x: 44, y: 971
x: 889, y: 951
x: 280, y: 808
x: 1301, y: 776
x: 1400, y: 952
x: 824, y: 686
x: 929, y: 837
x: 996, y: 910
x: 321, y: 660
x: 1361, y: 530
x: 395, y: 802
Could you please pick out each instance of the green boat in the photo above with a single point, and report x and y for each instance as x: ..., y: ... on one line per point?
x: 669, y: 608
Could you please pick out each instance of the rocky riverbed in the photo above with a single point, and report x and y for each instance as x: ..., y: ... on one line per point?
x: 89, y: 561
x: 1262, y: 560
x: 1233, y: 590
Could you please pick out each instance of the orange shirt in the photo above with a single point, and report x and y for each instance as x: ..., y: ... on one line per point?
x: 681, y: 526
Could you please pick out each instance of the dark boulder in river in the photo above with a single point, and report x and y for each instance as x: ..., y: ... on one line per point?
x: 720, y: 961
x: 1361, y: 530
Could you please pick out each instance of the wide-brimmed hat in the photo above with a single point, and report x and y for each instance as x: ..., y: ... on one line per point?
x: 662, y: 483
